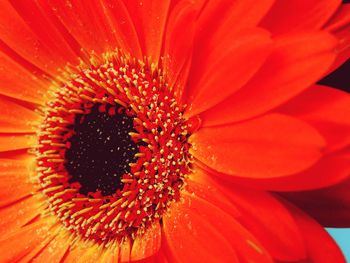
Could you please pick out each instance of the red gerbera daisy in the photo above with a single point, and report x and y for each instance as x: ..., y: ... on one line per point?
x: 154, y: 130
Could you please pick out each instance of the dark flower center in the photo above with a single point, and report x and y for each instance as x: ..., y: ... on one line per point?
x: 100, y: 150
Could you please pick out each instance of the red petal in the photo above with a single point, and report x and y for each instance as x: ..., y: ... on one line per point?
x: 297, y: 62
x: 149, y: 18
x: 297, y: 15
x: 330, y: 206
x: 339, y: 25
x: 178, y: 41
x: 320, y: 246
x: 259, y: 212
x: 343, y: 48
x: 340, y: 19
x: 326, y: 109
x: 270, y: 223
x: 329, y: 170
x: 148, y: 244
x: 226, y: 69
x: 270, y: 146
x: 161, y: 258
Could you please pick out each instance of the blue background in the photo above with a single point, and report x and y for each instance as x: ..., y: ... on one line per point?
x: 342, y: 237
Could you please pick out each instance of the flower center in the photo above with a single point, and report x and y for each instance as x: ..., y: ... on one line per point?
x: 112, y: 150
x: 100, y: 150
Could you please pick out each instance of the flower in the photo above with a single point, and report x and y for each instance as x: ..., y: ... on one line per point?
x: 157, y: 129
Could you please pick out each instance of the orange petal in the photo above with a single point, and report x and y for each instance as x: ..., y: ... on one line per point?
x: 199, y: 231
x: 297, y: 62
x: 191, y: 239
x: 149, y: 19
x: 85, y: 24
x: 200, y: 184
x: 11, y: 220
x: 29, y: 257
x: 110, y: 255
x: 55, y: 251
x: 240, y: 13
x: 160, y: 257
x: 17, y: 82
x: 83, y: 253
x: 122, y: 26
x: 23, y: 32
x: 16, y: 142
x: 325, y: 108
x: 50, y: 35
x: 148, y: 244
x: 320, y: 245
x: 89, y: 255
x: 16, y: 118
x: 94, y: 24
x: 221, y: 20
x: 15, y: 180
x: 125, y: 250
x: 225, y: 16
x: 270, y: 146
x: 225, y: 68
x: 24, y: 241
x: 298, y: 15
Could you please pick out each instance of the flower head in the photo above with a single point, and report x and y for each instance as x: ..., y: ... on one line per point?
x: 155, y: 130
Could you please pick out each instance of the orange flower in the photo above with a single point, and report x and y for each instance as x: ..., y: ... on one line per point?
x: 154, y: 131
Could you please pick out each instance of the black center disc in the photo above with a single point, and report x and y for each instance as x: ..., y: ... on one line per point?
x: 101, y: 150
